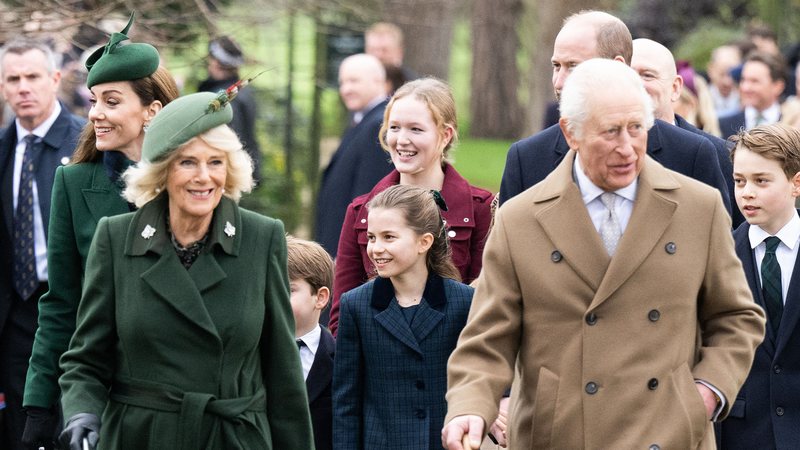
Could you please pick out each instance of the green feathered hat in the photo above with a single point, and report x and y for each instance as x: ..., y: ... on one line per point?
x: 121, y: 62
x: 183, y: 119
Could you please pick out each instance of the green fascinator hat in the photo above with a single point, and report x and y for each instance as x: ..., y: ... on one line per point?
x: 121, y: 62
x: 184, y: 118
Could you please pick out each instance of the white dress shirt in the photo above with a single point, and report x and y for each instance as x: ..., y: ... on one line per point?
x: 39, y: 242
x: 786, y: 253
x: 309, y: 350
x: 623, y: 202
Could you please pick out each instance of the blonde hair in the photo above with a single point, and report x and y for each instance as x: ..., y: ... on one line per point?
x: 146, y: 180
x: 307, y: 260
x: 422, y: 215
x: 438, y: 97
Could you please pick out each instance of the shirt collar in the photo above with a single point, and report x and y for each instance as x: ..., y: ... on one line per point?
x: 358, y: 116
x: 771, y: 114
x: 42, y: 129
x: 789, y: 234
x: 590, y: 191
x: 311, y: 339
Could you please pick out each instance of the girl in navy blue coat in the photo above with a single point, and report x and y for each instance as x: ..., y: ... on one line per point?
x: 397, y: 331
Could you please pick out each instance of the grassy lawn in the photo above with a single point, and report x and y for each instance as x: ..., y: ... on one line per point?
x: 481, y: 161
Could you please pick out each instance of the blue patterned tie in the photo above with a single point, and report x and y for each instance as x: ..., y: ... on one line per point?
x: 26, y: 280
x: 771, y: 283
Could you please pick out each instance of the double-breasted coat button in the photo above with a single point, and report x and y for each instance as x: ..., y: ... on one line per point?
x: 555, y: 256
x: 363, y: 220
x: 654, y: 447
x: 420, y: 384
x: 451, y: 233
x: 779, y: 411
x: 776, y: 368
x: 420, y: 413
x: 670, y: 248
x: 591, y: 388
x: 652, y: 384
x: 591, y: 318
x: 654, y: 315
x: 466, y: 219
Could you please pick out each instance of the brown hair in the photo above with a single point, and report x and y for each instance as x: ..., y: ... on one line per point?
x: 158, y: 86
x: 438, y: 97
x: 310, y: 262
x: 777, y: 142
x: 418, y: 208
x: 775, y: 64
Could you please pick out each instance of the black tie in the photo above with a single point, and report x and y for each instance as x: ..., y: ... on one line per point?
x: 300, y: 344
x: 771, y: 283
x: 26, y: 280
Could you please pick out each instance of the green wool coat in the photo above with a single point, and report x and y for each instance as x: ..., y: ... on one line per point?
x: 203, y: 358
x: 82, y: 195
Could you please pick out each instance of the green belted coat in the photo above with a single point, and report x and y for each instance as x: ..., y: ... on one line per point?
x: 193, y: 359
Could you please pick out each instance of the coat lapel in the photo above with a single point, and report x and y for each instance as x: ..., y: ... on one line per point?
x: 429, y: 313
x: 319, y: 377
x: 167, y: 277
x: 652, y: 214
x: 791, y: 310
x: 103, y: 198
x: 390, y: 316
x: 586, y: 256
x: 9, y: 143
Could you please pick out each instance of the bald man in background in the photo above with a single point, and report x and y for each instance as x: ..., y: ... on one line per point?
x: 655, y: 64
x: 359, y: 162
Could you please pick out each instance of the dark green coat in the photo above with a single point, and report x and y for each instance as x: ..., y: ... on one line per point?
x: 82, y: 195
x: 197, y: 359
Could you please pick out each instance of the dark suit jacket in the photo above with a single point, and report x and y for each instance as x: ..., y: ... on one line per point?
x: 318, y: 386
x: 731, y: 124
x: 358, y: 164
x: 766, y: 413
x: 56, y: 147
x: 725, y: 164
x: 389, y: 377
x: 530, y: 160
x: 82, y: 195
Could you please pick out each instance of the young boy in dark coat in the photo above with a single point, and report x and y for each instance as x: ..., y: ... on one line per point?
x: 310, y: 281
x: 766, y: 173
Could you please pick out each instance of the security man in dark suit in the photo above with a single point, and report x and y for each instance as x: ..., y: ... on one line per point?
x: 656, y: 66
x: 596, y: 34
x: 42, y: 137
x: 359, y: 162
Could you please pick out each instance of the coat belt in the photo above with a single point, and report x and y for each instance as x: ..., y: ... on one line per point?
x: 192, y: 406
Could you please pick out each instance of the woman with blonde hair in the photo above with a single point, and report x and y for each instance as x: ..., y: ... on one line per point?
x: 419, y: 131
x: 128, y: 88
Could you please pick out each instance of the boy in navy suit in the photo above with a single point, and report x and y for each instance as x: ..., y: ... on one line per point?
x: 766, y: 172
x: 310, y: 282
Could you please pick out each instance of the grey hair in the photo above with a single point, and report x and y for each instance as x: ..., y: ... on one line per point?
x: 596, y: 75
x: 23, y: 45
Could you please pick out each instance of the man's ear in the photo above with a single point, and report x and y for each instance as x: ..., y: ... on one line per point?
x: 563, y: 123
x: 323, y: 295
x: 795, y: 180
x: 677, y: 88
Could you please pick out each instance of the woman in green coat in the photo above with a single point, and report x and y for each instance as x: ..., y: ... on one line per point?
x: 185, y: 335
x: 128, y: 88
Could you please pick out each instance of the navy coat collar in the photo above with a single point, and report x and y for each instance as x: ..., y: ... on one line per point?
x: 383, y: 292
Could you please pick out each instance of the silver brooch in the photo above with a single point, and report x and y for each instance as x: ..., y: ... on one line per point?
x: 229, y: 230
x: 148, y: 231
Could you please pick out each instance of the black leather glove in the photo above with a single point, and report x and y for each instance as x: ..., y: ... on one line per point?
x: 80, y: 426
x: 41, y: 428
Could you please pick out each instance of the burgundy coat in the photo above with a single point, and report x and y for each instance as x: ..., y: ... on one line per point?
x: 468, y: 217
